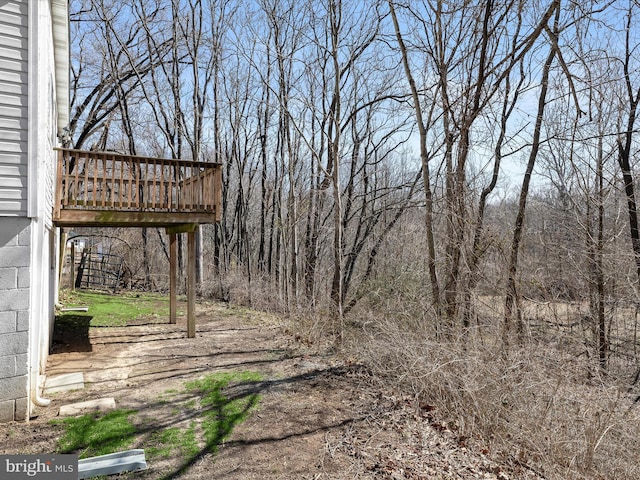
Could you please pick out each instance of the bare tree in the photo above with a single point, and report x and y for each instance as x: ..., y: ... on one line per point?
x: 425, y: 157
x: 626, y: 137
x: 471, y: 51
x: 511, y: 297
x: 107, y: 68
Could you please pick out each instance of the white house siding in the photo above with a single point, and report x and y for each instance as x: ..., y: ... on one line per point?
x: 13, y: 107
x: 27, y: 136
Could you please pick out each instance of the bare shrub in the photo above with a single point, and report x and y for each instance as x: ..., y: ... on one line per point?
x: 535, y: 407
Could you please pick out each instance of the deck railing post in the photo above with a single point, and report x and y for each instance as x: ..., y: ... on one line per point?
x: 59, y: 188
x: 217, y: 189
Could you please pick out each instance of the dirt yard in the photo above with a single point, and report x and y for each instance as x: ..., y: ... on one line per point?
x: 319, y: 416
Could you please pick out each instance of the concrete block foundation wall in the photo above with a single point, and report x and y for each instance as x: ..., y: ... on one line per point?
x: 15, y: 259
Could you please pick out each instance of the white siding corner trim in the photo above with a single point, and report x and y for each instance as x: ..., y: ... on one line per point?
x: 60, y: 15
x: 32, y: 116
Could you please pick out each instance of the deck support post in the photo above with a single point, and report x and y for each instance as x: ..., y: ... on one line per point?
x: 61, y: 251
x: 191, y: 284
x: 72, y: 257
x: 173, y: 277
x: 190, y: 229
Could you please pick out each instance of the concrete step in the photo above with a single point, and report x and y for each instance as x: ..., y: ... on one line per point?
x: 64, y: 383
x: 80, y: 408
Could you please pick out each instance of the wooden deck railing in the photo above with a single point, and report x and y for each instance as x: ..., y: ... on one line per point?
x: 158, y: 190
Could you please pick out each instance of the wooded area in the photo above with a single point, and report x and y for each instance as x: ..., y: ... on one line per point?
x: 404, y: 175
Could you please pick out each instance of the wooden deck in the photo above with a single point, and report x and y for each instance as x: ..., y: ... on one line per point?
x: 110, y: 189
x: 104, y: 189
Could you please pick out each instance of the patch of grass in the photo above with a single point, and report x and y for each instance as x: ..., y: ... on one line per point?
x: 92, y: 435
x: 213, y: 399
x: 221, y: 414
x: 172, y: 440
x: 107, y: 310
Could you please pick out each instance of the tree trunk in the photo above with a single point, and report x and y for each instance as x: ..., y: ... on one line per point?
x: 511, y: 299
x: 424, y: 158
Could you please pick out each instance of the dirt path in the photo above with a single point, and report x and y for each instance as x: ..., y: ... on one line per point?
x: 317, y: 417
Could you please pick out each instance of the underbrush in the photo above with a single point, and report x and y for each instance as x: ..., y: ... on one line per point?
x: 537, y: 406
x: 542, y: 406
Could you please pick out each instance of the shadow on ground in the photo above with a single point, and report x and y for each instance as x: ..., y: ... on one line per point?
x: 71, y: 334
